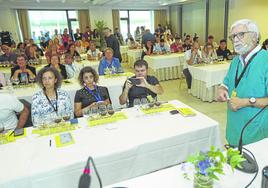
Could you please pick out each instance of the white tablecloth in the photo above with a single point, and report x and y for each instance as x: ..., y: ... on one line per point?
x: 114, y: 85
x: 139, y: 145
x: 134, y: 55
x: 173, y: 177
x: 206, y: 79
x: 210, y: 74
x: 166, y: 67
x: 123, y: 51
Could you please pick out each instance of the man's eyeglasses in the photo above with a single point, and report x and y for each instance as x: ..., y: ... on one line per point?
x: 239, y: 35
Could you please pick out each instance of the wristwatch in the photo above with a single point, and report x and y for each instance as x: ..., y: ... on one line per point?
x: 252, y: 100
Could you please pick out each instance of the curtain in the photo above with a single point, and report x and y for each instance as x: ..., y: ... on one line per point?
x: 83, y: 19
x: 116, y: 19
x: 24, y: 22
x: 160, y: 17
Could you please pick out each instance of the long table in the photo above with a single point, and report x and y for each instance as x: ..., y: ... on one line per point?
x: 206, y: 79
x: 173, y: 176
x: 114, y: 85
x: 166, y: 67
x: 138, y: 145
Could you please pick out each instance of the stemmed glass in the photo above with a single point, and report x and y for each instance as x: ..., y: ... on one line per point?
x: 137, y: 102
x: 110, y: 109
x: 102, y: 109
x: 94, y: 112
x: 144, y: 103
x: 31, y: 80
x: 86, y: 112
x: 16, y: 81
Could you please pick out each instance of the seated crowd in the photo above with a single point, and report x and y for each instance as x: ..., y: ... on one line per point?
x: 63, y: 54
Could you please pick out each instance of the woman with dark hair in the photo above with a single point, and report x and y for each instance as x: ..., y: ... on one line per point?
x: 148, y: 49
x: 265, y: 44
x: 50, y: 103
x: 20, y: 48
x: 55, y: 63
x: 91, y: 93
x: 72, y: 51
x: 31, y: 53
x: 51, y: 52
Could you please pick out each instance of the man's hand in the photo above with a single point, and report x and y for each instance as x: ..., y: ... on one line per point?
x: 143, y: 83
x: 223, y: 95
x: 128, y: 85
x: 236, y: 103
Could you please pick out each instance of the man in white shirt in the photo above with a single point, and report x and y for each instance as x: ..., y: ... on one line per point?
x: 72, y: 68
x: 9, y: 106
x: 192, y: 56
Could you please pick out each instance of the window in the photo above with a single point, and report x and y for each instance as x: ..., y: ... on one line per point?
x: 130, y: 20
x: 44, y: 22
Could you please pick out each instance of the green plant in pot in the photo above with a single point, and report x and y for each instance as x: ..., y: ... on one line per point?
x: 100, y: 25
x: 206, y: 166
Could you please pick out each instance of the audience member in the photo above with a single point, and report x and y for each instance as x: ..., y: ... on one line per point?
x: 90, y: 94
x: 149, y: 85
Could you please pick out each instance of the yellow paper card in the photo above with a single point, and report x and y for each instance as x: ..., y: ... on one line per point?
x: 162, y: 108
x: 54, y: 129
x: 186, y: 112
x: 107, y: 119
x: 6, y: 138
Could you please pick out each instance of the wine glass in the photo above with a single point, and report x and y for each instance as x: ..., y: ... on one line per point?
x: 31, y: 80
x: 94, y: 112
x: 16, y: 81
x: 85, y: 111
x: 66, y: 116
x: 156, y: 102
x: 102, y: 109
x: 136, y: 102
x: 120, y: 70
x: 144, y: 102
x: 110, y: 109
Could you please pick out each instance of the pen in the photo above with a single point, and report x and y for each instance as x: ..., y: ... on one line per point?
x: 50, y: 143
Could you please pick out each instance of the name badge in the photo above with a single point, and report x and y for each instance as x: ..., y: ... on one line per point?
x: 234, y: 94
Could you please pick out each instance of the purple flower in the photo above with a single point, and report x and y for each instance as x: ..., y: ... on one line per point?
x: 203, y: 165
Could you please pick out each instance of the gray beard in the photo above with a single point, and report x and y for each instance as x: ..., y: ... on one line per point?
x: 243, y: 50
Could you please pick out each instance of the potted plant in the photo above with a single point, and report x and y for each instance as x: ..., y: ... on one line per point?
x: 100, y: 25
x: 206, y: 166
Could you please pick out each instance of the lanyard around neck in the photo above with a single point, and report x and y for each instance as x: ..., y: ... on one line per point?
x: 49, y: 101
x: 97, y: 96
x: 238, y: 79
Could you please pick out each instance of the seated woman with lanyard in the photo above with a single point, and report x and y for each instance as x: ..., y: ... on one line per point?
x: 55, y: 63
x: 51, y: 103
x: 90, y: 94
x: 22, y: 73
x: 109, y: 62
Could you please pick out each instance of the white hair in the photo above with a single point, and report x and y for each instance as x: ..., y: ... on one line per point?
x: 251, y: 26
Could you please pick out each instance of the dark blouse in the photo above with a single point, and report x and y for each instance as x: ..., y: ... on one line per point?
x: 84, y: 97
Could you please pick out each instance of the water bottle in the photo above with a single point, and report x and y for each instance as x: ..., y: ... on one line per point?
x: 264, y: 182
